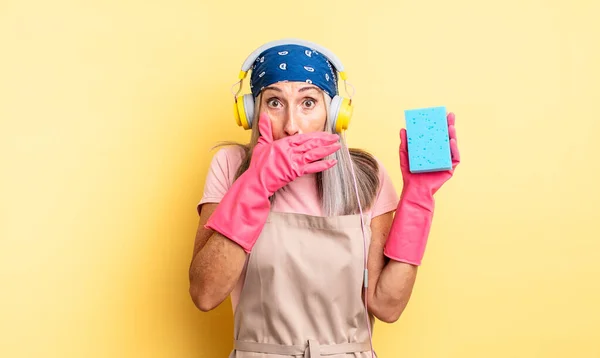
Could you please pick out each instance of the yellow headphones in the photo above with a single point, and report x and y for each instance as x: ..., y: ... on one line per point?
x: 340, y: 111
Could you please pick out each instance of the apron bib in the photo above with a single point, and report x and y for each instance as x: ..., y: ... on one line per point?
x: 302, y: 294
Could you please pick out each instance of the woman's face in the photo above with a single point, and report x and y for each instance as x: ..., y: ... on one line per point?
x: 294, y: 108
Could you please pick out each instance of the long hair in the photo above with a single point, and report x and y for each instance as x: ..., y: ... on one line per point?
x: 335, y: 186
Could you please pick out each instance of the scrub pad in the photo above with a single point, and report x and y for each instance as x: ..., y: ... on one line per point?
x: 428, y: 141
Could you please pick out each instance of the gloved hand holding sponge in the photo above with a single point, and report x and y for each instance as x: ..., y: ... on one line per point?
x: 428, y: 158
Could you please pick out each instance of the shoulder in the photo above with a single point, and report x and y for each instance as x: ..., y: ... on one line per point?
x: 386, y: 199
x: 230, y: 155
x: 381, y: 170
x: 369, y: 162
x: 221, y: 173
x: 225, y: 163
x: 375, y: 181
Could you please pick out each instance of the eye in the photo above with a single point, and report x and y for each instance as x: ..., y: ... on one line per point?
x: 273, y: 102
x: 309, y: 103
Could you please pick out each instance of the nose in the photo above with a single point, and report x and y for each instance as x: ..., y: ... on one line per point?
x: 291, y: 124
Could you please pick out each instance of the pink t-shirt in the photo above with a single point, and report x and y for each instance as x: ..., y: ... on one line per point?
x: 299, y: 196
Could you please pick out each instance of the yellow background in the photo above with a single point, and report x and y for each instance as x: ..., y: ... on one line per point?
x: 108, y: 110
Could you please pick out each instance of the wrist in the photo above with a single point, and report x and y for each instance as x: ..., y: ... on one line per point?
x: 243, y: 211
x: 408, y: 235
x: 416, y: 196
x: 412, y: 188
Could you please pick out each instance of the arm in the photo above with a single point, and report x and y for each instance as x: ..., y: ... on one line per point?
x: 401, y: 239
x: 217, y: 263
x: 228, y: 231
x: 390, y: 282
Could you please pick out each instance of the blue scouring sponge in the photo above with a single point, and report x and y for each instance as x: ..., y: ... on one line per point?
x: 428, y: 141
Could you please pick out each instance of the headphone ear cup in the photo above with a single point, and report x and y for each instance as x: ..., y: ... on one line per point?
x: 340, y: 112
x: 244, y: 111
x: 334, y: 109
x: 249, y: 109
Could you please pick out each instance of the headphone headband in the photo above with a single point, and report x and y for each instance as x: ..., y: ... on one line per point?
x: 340, y: 110
x: 292, y: 41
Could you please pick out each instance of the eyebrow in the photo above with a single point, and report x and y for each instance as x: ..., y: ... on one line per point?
x: 303, y: 89
x: 307, y: 88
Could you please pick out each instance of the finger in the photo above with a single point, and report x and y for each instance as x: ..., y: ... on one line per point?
x: 454, y: 151
x: 321, y: 152
x: 403, y: 141
x: 301, y: 139
x: 452, y: 132
x: 319, y: 166
x: 451, y: 119
x: 404, y: 163
x: 264, y: 128
x: 316, y: 142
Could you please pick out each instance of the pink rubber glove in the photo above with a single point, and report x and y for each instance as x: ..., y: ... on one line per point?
x: 410, y: 229
x: 243, y: 211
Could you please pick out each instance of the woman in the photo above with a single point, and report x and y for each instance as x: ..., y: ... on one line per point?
x: 288, y: 222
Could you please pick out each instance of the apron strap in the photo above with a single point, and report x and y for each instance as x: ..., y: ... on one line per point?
x: 311, y: 350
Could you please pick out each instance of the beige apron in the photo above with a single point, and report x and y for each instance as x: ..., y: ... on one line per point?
x: 302, y: 294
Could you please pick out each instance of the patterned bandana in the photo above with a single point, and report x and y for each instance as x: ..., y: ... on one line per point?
x: 293, y: 63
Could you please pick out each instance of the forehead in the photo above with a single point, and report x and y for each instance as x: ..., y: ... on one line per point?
x: 292, y: 86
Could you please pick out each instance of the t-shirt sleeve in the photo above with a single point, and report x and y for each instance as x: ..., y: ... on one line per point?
x: 221, y: 174
x: 387, y: 197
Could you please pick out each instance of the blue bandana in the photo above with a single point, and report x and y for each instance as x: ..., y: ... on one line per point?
x: 293, y: 63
